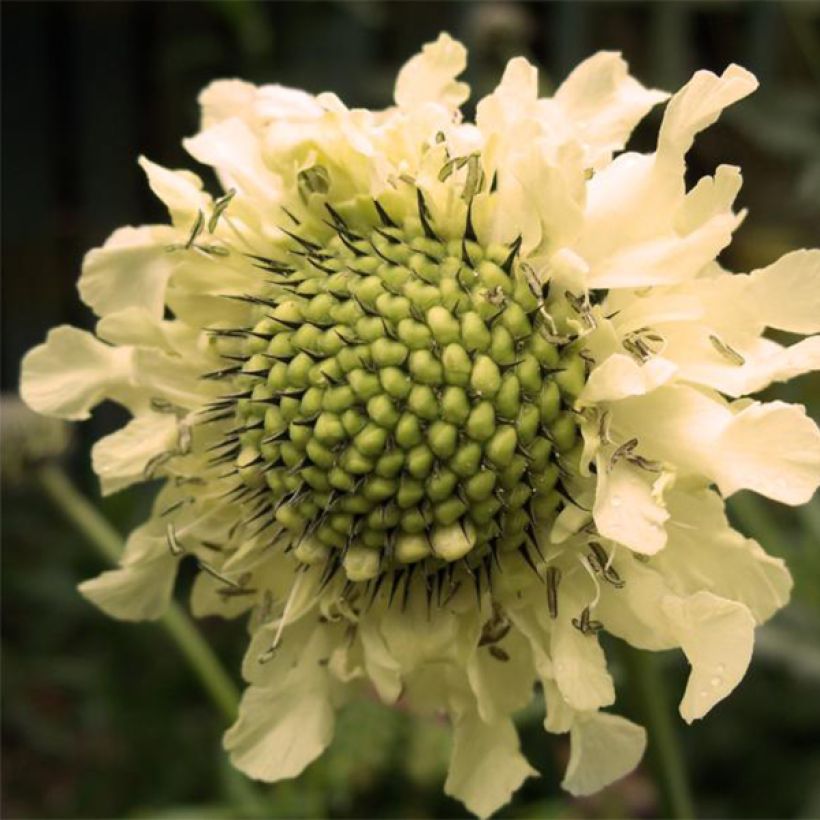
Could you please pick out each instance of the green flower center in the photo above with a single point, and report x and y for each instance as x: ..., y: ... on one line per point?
x: 403, y: 400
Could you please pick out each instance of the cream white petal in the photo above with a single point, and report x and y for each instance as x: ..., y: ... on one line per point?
x: 633, y: 214
x: 620, y: 376
x: 279, y: 102
x: 559, y: 716
x: 413, y: 638
x: 787, y: 293
x: 223, y: 99
x: 519, y: 83
x: 120, y: 458
x: 180, y: 191
x: 140, y: 589
x: 502, y: 687
x: 627, y: 204
x: 700, y: 358
x: 550, y: 192
x: 72, y: 372
x: 626, y: 509
x: 773, y: 449
x: 208, y: 599
x: 140, y: 592
x: 717, y: 636
x: 268, y: 661
x: 604, y: 102
x: 603, y: 749
x: 632, y: 612
x: 382, y: 668
x: 131, y: 269
x: 579, y: 664
x: 284, y: 726
x: 531, y: 622
x: 486, y: 766
x: 705, y: 553
x: 137, y: 327
x: 509, y: 117
x: 711, y: 196
x: 668, y: 259
x: 698, y: 104
x: 658, y: 306
x: 429, y: 77
x: 234, y: 152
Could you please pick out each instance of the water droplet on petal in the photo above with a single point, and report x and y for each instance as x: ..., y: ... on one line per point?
x: 721, y: 668
x: 616, y: 501
x: 716, y: 681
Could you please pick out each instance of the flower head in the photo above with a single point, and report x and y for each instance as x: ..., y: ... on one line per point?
x: 436, y: 402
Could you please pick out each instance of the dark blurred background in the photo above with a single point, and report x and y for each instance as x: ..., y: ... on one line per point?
x: 102, y: 719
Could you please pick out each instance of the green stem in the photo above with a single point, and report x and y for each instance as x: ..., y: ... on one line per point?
x: 664, y: 751
x: 176, y: 622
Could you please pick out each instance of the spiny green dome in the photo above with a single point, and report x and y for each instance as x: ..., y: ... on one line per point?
x: 402, y: 398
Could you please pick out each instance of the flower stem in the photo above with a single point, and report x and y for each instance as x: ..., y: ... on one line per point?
x: 176, y: 622
x: 664, y: 752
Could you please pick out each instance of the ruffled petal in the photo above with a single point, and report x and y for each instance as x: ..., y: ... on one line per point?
x: 705, y: 553
x: 786, y: 294
x: 72, y: 372
x: 286, y: 725
x: 717, y: 636
x: 549, y: 193
x: 626, y: 509
x: 667, y: 259
x: 620, y: 376
x: 131, y: 269
x: 698, y: 104
x: 180, y: 191
x: 710, y: 196
x: 486, y: 766
x: 502, y: 685
x: 234, y: 152
x: 223, y: 99
x: 140, y: 590
x: 632, y: 613
x: 605, y: 102
x: 208, y: 598
x: 603, y: 749
x: 120, y: 459
x: 559, y: 716
x: 429, y: 77
x: 736, y: 366
x: 578, y: 661
x: 773, y: 449
x: 382, y: 668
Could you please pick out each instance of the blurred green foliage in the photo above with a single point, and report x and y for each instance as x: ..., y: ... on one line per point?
x: 102, y: 719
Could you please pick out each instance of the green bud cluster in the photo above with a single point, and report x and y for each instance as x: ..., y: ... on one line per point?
x: 403, y: 401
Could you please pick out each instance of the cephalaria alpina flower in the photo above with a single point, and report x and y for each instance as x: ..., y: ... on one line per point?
x: 435, y: 402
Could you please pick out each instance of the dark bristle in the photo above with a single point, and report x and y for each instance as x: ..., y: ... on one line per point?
x: 383, y: 215
x: 525, y: 554
x: 407, y: 584
x: 465, y: 256
x: 348, y: 243
x: 424, y: 216
x: 515, y: 247
x: 469, y: 230
x: 305, y: 243
x: 397, y: 578
x: 290, y: 216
